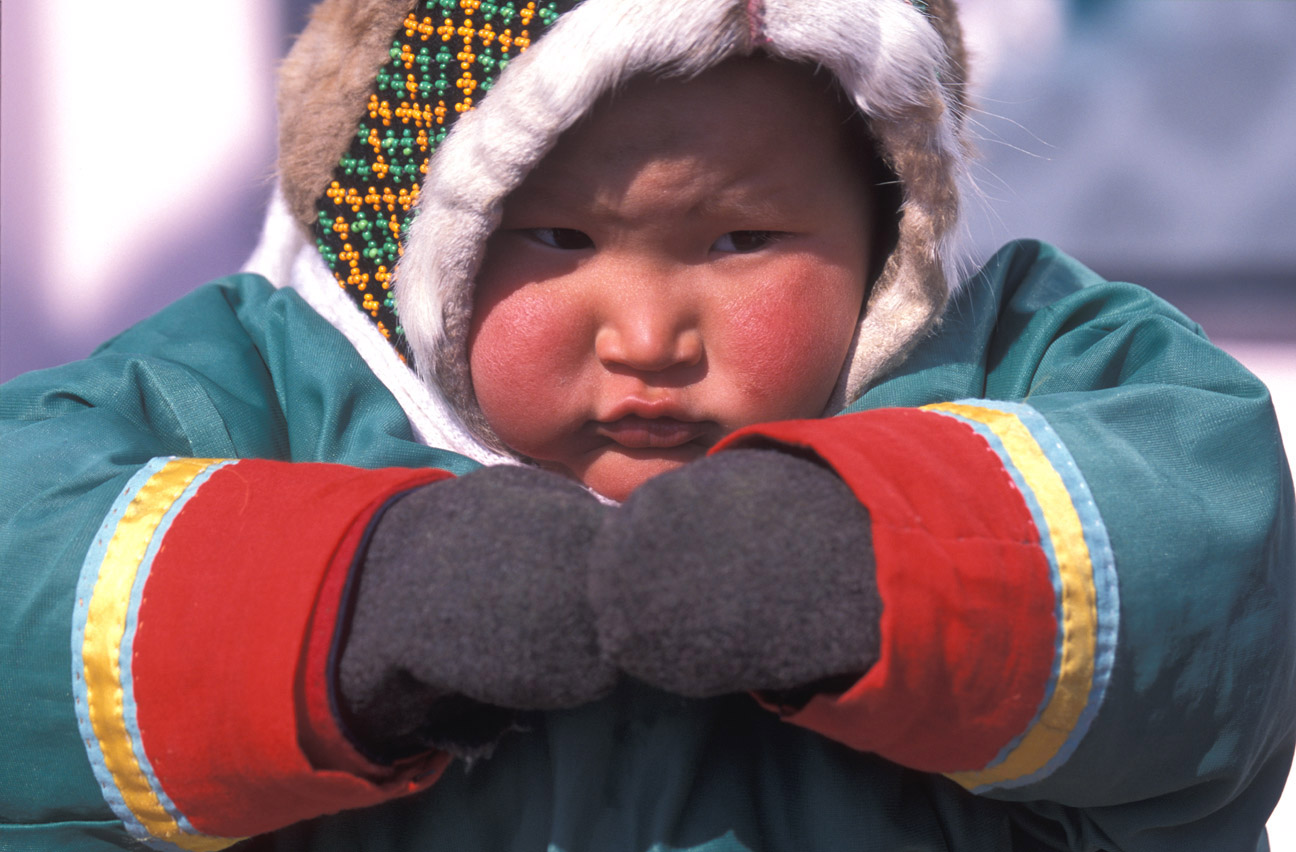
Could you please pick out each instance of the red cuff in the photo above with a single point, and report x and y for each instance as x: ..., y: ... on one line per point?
x: 217, y: 723
x: 968, y: 628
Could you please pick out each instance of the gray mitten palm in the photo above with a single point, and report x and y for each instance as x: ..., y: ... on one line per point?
x: 471, y: 604
x: 749, y: 570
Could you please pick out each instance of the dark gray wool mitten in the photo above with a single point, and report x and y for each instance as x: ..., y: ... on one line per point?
x: 471, y: 605
x: 749, y: 570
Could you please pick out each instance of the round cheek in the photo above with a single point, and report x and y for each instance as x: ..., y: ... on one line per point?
x: 522, y: 350
x: 786, y: 345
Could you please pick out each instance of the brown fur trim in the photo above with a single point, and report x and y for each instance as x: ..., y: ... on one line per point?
x: 944, y: 18
x: 324, y: 84
x: 907, y: 299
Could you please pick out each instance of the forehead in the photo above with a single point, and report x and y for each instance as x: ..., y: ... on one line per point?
x: 748, y: 119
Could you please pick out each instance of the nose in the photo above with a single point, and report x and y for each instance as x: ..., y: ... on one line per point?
x: 648, y: 332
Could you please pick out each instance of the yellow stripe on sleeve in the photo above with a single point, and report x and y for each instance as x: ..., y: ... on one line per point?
x: 1061, y: 715
x: 104, y: 633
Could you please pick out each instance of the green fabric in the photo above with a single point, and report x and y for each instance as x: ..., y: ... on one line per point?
x: 1177, y: 442
x: 645, y: 769
x: 234, y: 370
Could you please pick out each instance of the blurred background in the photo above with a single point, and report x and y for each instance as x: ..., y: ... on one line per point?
x: 1153, y: 139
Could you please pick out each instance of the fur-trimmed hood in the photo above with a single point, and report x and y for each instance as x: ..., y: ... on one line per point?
x: 406, y: 123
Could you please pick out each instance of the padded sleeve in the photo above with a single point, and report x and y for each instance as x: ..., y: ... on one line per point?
x: 999, y: 602
x: 192, y: 638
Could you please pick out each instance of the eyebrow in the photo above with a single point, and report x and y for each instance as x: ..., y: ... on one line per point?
x: 745, y: 194
x: 755, y: 197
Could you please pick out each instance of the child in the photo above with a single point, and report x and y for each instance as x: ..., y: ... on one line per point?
x: 1031, y: 589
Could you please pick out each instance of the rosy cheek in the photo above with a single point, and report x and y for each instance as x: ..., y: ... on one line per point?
x: 782, y: 363
x: 791, y: 342
x: 520, y: 350
x: 506, y: 338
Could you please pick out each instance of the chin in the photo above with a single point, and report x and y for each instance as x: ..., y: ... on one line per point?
x: 616, y: 474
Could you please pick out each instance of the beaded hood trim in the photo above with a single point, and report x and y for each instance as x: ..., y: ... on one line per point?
x: 447, y: 133
x: 444, y: 57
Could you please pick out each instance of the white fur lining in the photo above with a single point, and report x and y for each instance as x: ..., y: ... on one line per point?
x: 886, y: 54
x: 287, y: 258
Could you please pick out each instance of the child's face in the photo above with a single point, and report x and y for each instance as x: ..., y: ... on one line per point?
x: 689, y: 259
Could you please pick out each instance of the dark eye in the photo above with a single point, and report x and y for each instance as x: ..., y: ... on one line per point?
x: 568, y: 239
x: 744, y: 242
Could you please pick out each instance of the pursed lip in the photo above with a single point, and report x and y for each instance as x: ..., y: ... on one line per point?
x: 655, y: 424
x: 638, y: 432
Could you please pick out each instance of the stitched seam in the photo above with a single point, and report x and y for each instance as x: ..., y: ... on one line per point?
x: 755, y: 10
